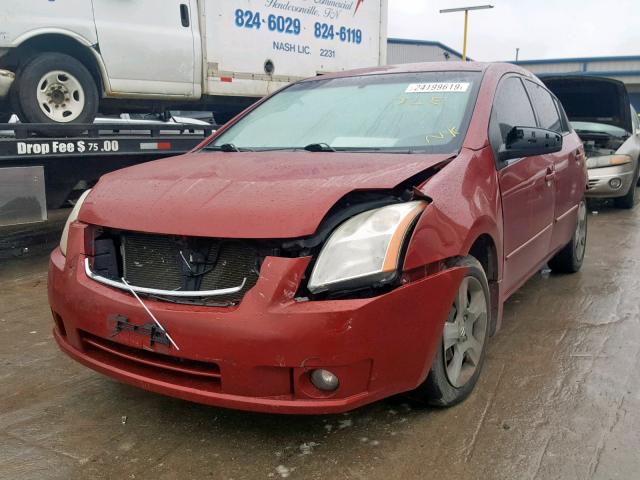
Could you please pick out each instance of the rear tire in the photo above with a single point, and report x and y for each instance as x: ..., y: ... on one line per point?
x: 57, y: 89
x: 570, y: 258
x: 463, y: 342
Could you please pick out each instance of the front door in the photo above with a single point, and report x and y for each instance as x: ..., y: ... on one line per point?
x: 148, y: 46
x: 528, y: 193
x: 527, y: 187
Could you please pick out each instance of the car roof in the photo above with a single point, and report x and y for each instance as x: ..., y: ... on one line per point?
x: 448, y: 66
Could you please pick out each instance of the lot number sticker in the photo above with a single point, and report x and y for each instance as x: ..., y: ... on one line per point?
x: 437, y: 87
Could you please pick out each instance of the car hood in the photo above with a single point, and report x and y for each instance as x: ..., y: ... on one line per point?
x: 592, y: 99
x: 242, y: 195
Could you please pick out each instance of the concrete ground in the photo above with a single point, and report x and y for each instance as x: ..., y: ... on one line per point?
x: 559, y: 397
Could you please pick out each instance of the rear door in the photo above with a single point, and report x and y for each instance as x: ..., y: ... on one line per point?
x: 526, y: 185
x: 148, y: 46
x: 568, y: 164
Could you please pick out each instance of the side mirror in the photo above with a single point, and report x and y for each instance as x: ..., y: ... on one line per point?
x: 529, y: 141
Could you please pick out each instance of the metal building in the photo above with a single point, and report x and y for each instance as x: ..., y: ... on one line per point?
x: 626, y: 69
x: 400, y: 50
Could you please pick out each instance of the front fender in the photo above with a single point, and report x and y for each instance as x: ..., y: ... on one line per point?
x: 466, y: 204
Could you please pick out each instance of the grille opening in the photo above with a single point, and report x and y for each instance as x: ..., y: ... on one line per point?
x: 169, y: 262
x: 166, y: 368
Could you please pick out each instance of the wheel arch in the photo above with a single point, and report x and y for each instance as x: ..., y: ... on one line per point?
x: 484, y: 249
x: 64, y: 42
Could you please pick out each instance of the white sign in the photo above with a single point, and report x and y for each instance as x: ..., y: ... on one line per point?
x: 440, y: 87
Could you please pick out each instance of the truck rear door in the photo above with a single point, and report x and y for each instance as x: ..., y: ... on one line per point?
x: 288, y: 40
x: 149, y: 47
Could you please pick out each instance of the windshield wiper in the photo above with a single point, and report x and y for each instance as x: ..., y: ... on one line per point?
x: 227, y: 147
x: 319, y: 147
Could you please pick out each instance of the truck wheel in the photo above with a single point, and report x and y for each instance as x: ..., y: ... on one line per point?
x: 56, y: 88
x: 460, y: 355
x: 569, y: 259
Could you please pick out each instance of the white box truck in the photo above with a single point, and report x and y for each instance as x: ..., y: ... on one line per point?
x: 62, y: 61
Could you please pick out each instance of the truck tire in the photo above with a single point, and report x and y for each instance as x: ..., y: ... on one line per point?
x: 5, y: 111
x: 57, y: 89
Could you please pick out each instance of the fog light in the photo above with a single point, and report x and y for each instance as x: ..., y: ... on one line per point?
x: 324, y: 380
x: 615, y: 183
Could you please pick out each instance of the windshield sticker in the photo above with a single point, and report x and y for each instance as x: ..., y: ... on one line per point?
x: 416, y: 102
x: 449, y: 87
x: 453, y: 131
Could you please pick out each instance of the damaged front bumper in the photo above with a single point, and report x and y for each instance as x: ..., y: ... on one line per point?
x: 260, y: 354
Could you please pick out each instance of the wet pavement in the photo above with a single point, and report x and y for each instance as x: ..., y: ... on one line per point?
x: 559, y: 397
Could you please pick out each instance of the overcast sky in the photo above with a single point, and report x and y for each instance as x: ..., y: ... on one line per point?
x: 541, y: 28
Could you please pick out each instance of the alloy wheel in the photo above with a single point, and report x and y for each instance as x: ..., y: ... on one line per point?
x: 465, y: 332
x: 581, y: 231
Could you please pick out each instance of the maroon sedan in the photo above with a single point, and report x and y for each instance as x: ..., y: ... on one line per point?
x: 351, y: 237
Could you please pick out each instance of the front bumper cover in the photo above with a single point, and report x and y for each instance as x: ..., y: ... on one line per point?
x: 599, y: 178
x: 262, y: 351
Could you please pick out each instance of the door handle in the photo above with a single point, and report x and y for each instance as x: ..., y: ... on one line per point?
x: 184, y: 14
x: 550, y: 175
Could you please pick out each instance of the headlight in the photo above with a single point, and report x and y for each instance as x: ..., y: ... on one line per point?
x: 608, y: 161
x: 73, y: 216
x: 366, y: 248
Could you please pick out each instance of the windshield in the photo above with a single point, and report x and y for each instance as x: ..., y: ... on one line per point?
x: 427, y: 111
x: 603, y: 128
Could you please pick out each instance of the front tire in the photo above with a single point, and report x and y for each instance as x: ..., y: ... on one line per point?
x: 460, y: 356
x: 58, y: 89
x: 629, y: 200
x: 570, y: 258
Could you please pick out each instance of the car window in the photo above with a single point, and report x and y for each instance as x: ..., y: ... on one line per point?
x: 544, y: 106
x: 511, y: 108
x: 564, y: 120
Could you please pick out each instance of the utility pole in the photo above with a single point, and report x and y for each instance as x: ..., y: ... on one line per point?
x: 466, y: 22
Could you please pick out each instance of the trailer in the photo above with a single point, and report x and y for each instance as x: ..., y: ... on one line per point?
x: 39, y: 170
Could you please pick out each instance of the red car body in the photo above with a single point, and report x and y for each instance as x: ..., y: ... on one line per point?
x: 257, y: 355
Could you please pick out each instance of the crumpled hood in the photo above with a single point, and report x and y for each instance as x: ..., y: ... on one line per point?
x: 242, y: 195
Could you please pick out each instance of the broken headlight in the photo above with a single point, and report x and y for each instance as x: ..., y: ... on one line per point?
x: 73, y: 216
x: 366, y: 249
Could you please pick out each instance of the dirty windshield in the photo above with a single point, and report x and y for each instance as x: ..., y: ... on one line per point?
x: 424, y: 112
